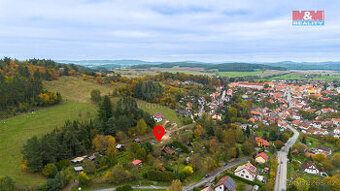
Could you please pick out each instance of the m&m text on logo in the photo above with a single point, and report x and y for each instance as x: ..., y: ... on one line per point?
x: 308, y: 18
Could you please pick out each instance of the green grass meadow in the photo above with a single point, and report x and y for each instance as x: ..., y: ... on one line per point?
x: 153, y: 108
x: 15, y: 131
x: 302, y: 77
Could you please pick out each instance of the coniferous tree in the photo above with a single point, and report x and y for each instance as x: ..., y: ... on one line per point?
x: 66, y: 71
x: 247, y: 132
x: 105, y: 109
x: 37, y: 74
x: 32, y: 153
x: 47, y: 75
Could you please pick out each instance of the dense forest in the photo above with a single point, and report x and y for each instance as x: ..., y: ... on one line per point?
x: 225, y: 67
x: 148, y: 90
x: 21, y: 85
x: 122, y: 117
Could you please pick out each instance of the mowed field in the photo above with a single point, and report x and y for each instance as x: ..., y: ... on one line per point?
x: 15, y: 131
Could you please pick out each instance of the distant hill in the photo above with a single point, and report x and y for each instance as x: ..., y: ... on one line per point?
x: 170, y: 65
x: 289, y: 65
x: 225, y: 67
x: 107, y: 63
x: 335, y: 66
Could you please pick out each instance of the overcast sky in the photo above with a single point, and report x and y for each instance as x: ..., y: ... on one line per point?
x: 167, y: 30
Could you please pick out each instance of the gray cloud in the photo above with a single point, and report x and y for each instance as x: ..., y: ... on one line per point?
x: 166, y: 30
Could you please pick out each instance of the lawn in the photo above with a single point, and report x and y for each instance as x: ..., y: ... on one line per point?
x: 15, y: 131
x: 313, y: 142
x: 240, y: 185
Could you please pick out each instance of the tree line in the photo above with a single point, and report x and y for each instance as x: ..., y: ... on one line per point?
x: 21, y: 87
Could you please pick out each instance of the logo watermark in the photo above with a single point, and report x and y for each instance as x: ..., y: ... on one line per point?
x: 308, y: 18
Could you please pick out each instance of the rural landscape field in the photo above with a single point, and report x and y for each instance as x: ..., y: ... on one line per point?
x: 109, y: 95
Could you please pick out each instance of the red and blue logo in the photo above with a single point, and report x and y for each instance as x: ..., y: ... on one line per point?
x: 308, y: 18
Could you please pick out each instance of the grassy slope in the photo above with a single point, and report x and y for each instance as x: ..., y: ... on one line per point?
x: 153, y: 108
x: 15, y: 131
x: 168, y: 113
x: 76, y: 89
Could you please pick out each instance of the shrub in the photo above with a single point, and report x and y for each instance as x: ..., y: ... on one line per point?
x: 159, y: 176
x: 63, y: 164
x: 50, y: 170
x: 178, y: 144
x: 83, y: 179
x: 6, y: 183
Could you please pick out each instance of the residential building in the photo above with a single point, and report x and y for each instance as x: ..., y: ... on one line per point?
x: 137, y: 163
x: 226, y: 184
x: 325, y: 150
x: 158, y: 117
x: 261, y: 158
x: 78, y: 169
x: 247, y: 171
x: 310, y: 168
x: 261, y: 142
x: 208, y: 188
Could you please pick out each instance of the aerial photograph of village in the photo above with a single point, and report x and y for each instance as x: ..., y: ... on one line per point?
x: 160, y: 95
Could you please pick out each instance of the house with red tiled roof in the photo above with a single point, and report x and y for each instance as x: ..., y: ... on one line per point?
x: 261, y: 158
x: 261, y: 142
x: 137, y: 163
x: 252, y: 120
x: 327, y: 110
x: 247, y: 171
x: 309, y: 155
x: 255, y: 113
x: 226, y: 184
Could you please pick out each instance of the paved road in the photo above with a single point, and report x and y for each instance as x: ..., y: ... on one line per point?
x: 281, y: 174
x: 191, y: 186
x: 214, y: 174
